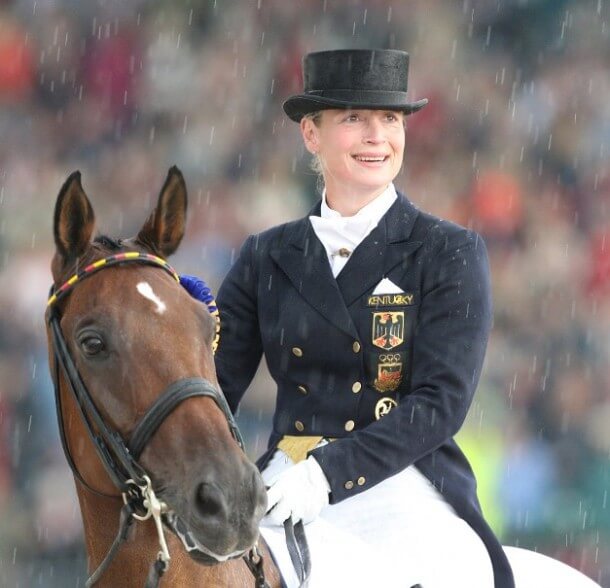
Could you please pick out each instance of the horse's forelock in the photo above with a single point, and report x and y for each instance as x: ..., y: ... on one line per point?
x: 112, y: 245
x: 102, y: 246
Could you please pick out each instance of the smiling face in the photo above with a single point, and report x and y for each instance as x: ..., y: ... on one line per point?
x: 360, y: 150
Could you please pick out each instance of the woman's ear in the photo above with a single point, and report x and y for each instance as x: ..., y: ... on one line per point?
x: 310, y: 135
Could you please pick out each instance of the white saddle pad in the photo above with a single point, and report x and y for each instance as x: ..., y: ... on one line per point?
x: 397, y: 534
x: 338, y: 559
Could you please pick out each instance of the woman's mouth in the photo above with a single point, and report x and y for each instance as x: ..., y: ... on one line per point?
x: 371, y: 160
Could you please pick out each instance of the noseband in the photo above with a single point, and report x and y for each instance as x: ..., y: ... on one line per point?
x: 120, y: 458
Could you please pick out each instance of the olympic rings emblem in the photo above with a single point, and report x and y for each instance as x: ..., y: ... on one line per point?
x: 390, y: 357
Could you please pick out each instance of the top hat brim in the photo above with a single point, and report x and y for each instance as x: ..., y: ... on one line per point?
x: 296, y: 107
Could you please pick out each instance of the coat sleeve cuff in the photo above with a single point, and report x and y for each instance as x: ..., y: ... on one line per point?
x: 344, y: 482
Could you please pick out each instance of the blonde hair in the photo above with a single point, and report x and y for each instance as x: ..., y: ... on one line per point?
x: 315, y: 165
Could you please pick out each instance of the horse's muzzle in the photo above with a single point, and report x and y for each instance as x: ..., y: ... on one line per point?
x: 220, y: 520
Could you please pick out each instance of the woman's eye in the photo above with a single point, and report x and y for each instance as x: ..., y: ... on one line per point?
x: 92, y: 346
x: 392, y: 117
x: 352, y: 117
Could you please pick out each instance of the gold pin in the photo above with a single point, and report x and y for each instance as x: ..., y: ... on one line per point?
x: 389, y: 372
x: 384, y: 406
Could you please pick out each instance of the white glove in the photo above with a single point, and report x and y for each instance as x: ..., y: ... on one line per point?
x: 301, y: 492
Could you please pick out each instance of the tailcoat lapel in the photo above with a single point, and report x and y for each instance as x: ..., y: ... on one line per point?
x: 303, y: 259
x: 387, y: 245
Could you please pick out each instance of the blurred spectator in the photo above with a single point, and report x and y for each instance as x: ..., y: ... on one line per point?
x: 16, y: 62
x: 497, y: 207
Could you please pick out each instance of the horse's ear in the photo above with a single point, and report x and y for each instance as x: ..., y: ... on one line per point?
x: 73, y: 221
x: 164, y: 229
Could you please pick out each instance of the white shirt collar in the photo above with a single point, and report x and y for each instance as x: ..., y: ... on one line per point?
x: 341, y: 234
x: 374, y: 210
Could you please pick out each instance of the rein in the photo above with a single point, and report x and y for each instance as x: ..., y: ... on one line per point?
x: 120, y: 458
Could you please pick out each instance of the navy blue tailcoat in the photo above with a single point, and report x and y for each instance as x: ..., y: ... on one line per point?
x: 389, y: 376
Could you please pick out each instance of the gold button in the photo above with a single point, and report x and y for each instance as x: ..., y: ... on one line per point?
x: 297, y: 351
x: 349, y: 426
x: 344, y: 252
x: 302, y: 389
x: 356, y: 387
x: 348, y: 485
x: 361, y: 481
x: 299, y: 426
x: 356, y: 347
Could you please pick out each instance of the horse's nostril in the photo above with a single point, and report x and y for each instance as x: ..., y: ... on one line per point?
x: 209, y: 500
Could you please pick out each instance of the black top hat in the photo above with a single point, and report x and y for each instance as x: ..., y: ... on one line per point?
x: 353, y: 78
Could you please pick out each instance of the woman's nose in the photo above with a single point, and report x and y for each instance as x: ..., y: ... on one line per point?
x: 373, y: 131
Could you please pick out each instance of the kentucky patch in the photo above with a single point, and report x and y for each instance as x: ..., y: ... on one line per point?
x: 388, y: 329
x: 377, y: 300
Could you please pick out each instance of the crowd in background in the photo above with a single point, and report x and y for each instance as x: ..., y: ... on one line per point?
x: 514, y: 143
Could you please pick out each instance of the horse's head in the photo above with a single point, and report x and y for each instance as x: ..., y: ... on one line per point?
x: 133, y: 334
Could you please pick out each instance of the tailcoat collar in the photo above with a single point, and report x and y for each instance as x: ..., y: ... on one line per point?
x: 399, y: 220
x: 303, y: 259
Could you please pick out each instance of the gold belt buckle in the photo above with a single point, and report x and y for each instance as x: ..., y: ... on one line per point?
x: 296, y: 447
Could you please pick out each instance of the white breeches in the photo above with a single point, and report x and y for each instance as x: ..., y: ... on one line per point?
x: 396, y: 534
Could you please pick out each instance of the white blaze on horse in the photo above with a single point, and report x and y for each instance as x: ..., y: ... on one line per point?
x: 148, y: 434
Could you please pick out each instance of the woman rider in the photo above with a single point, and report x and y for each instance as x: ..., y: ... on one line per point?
x: 374, y: 318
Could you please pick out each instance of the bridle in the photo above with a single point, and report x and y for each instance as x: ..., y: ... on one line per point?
x: 118, y: 457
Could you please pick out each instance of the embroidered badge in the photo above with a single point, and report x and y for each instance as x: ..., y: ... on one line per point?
x: 384, y: 406
x: 388, y: 329
x: 390, y: 300
x: 389, y: 372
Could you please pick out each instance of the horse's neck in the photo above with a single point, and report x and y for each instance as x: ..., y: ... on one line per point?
x: 131, y: 564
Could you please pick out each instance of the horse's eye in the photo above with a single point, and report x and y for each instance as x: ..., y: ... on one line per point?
x: 92, y: 345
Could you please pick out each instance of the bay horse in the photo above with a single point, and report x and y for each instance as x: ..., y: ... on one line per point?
x: 143, y: 422
x: 144, y: 425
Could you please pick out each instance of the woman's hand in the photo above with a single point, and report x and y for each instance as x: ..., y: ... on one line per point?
x: 300, y: 491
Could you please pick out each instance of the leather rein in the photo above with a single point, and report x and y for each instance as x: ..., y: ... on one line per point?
x: 120, y: 458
